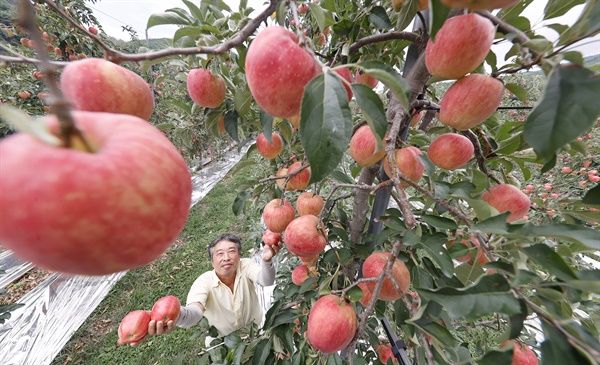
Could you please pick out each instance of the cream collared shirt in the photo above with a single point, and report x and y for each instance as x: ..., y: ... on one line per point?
x: 225, y: 310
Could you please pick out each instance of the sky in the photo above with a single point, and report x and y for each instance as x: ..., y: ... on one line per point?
x: 113, y: 14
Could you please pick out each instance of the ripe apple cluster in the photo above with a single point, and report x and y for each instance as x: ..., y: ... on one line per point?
x: 134, y: 326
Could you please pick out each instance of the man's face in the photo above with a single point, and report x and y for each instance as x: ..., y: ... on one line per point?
x: 225, y: 258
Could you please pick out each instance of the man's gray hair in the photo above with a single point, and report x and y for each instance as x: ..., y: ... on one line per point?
x: 225, y: 237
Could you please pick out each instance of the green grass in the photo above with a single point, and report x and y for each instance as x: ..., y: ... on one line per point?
x: 171, y: 274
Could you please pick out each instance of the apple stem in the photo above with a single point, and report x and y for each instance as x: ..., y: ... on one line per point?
x: 60, y: 106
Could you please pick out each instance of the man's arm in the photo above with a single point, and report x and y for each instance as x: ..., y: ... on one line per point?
x: 267, y: 274
x: 190, y: 315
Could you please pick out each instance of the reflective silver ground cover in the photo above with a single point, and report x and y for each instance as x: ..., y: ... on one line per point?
x: 56, y: 308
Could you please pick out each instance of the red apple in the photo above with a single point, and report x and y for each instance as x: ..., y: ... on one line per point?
x: 93, y: 213
x: 409, y: 164
x: 277, y: 70
x: 166, y: 309
x: 301, y: 273
x: 479, y: 4
x: 470, y: 101
x: 373, y: 266
x: 397, y: 5
x: 366, y: 298
x: 309, y: 260
x: 384, y: 351
x: 332, y: 323
x: 295, y: 120
x: 221, y: 124
x: 522, y: 355
x: 205, y: 89
x: 304, y: 238
x: 507, y: 197
x: 309, y: 203
x: 450, y: 151
x: 280, y: 182
x: 98, y: 85
x: 365, y: 78
x: 278, y: 215
x: 300, y: 180
x: 303, y: 8
x: 460, y: 46
x: 347, y: 75
x: 363, y: 147
x: 269, y: 150
x: 271, y: 238
x: 93, y: 30
x: 133, y: 327
x: 416, y: 118
x: 473, y: 256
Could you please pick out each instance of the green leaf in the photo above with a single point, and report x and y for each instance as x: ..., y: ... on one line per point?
x: 569, y: 107
x: 427, y: 320
x: 497, y: 358
x: 23, y: 123
x: 588, y: 23
x: 323, y: 17
x: 434, y: 246
x: 240, y: 202
x: 338, y: 175
x: 556, y: 8
x: 231, y: 124
x: 166, y: 18
x: 379, y: 18
x: 242, y: 101
x: 372, y: 108
x: 592, y: 197
x: 390, y: 78
x: 490, y: 295
x: 511, y: 12
x: 567, y: 232
x: 517, y: 90
x: 540, y: 45
x: 556, y: 348
x: 325, y: 124
x: 548, y: 258
x: 192, y: 32
x: 261, y: 352
x: 437, y: 16
x: 441, y: 223
x: 407, y: 14
x: 194, y: 10
x: 266, y: 120
x: 334, y: 359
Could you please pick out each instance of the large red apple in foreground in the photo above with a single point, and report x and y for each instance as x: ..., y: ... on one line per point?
x: 302, y: 238
x: 409, y: 164
x: 205, y: 89
x: 470, y: 101
x: 461, y: 45
x: 166, y: 309
x: 450, y: 151
x: 277, y: 70
x: 363, y: 147
x: 133, y: 327
x: 98, y: 85
x: 309, y: 203
x: 93, y: 213
x: 374, y: 265
x: 522, y: 355
x: 507, y: 197
x: 267, y: 149
x: 479, y: 4
x: 332, y: 323
x: 278, y: 215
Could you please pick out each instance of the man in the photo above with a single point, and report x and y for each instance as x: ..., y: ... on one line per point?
x: 226, y: 296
